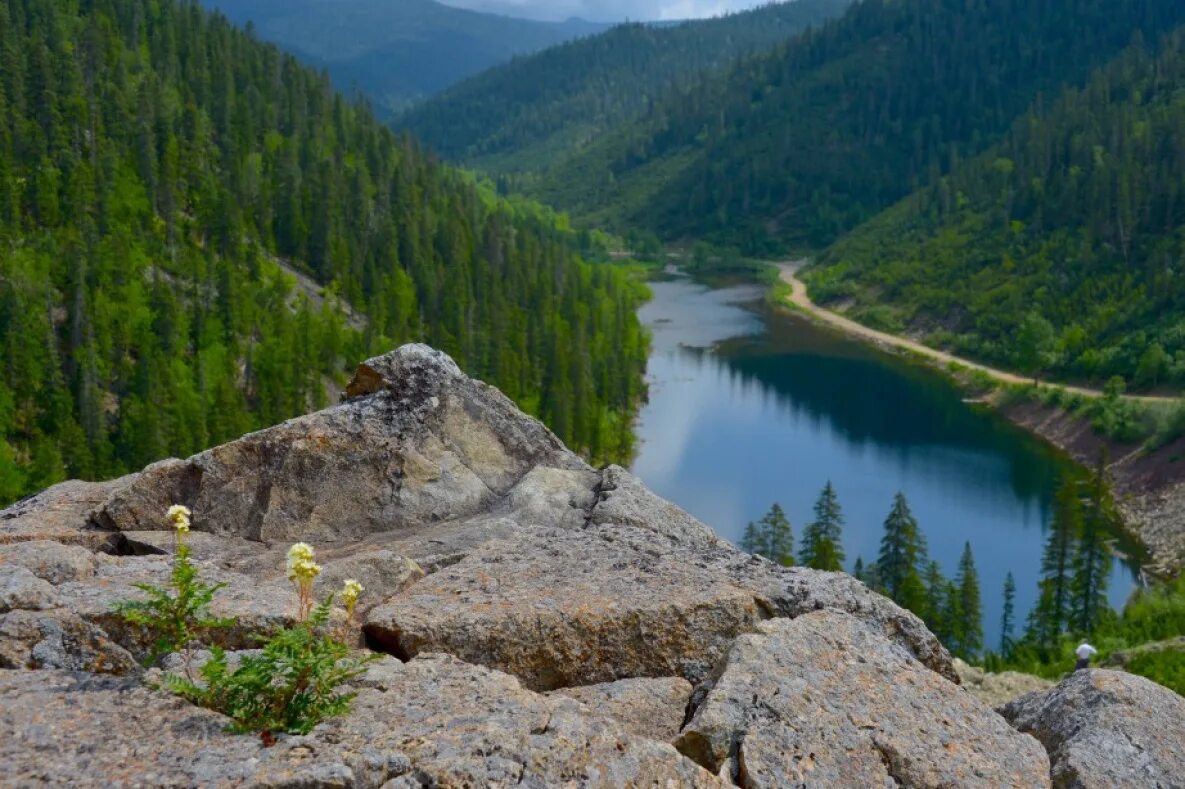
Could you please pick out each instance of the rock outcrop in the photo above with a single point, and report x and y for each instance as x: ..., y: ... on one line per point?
x: 548, y: 623
x: 1107, y: 729
x: 827, y: 700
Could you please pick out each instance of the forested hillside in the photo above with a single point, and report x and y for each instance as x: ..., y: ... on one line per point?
x: 397, y: 51
x: 525, y: 115
x: 1077, y: 219
x: 159, y: 170
x: 793, y: 148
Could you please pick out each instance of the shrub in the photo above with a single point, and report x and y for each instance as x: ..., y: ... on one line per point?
x: 175, y: 614
x: 291, y: 686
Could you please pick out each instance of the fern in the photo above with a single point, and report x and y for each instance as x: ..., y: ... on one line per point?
x: 177, y: 613
x: 291, y: 686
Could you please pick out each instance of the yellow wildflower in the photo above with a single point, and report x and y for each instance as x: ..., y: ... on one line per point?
x: 351, y: 590
x: 178, y: 515
x: 299, y: 556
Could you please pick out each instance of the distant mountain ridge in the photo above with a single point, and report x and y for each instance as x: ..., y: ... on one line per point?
x: 397, y: 51
x: 793, y: 148
x: 527, y: 114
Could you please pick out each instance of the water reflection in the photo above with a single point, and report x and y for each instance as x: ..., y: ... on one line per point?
x: 748, y: 408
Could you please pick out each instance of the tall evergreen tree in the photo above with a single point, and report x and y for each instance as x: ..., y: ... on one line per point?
x: 771, y: 537
x: 1092, y: 559
x: 1051, y: 615
x: 969, y: 629
x: 822, y: 539
x: 902, y: 557
x: 938, y: 612
x: 1008, y: 617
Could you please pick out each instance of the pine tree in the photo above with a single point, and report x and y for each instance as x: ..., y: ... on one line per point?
x: 1007, y: 619
x: 751, y: 541
x: 902, y: 555
x: 1092, y: 560
x: 779, y: 536
x: 822, y: 539
x: 858, y: 571
x: 969, y: 630
x: 771, y: 537
x: 1049, y: 618
x: 936, y: 612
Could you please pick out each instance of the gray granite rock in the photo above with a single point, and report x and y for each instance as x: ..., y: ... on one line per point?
x: 557, y: 608
x: 1107, y: 729
x: 434, y: 722
x: 60, y: 639
x: 827, y: 700
x: 418, y: 443
x: 462, y: 725
x: 50, y: 561
x: 20, y: 589
x: 653, y: 708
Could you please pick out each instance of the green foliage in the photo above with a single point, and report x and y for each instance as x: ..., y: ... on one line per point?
x: 902, y: 559
x: 1154, y: 614
x: 794, y: 147
x: 968, y: 628
x: 1079, y: 228
x: 198, y: 238
x: 771, y: 537
x: 291, y: 686
x: 1050, y: 617
x: 176, y: 615
x: 531, y: 112
x: 822, y: 539
x: 1166, y: 667
x: 1035, y: 344
x: 1008, y: 617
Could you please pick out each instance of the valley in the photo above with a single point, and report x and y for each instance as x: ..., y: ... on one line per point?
x: 402, y: 393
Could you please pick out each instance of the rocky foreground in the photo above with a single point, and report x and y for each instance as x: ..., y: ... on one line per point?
x: 546, y: 624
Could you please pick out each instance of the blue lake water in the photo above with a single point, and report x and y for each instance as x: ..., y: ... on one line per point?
x: 749, y: 406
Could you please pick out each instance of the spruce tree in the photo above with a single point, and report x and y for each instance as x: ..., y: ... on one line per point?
x: 1049, y: 618
x: 1092, y: 559
x: 779, y: 539
x: 902, y: 555
x: 822, y: 539
x: 1008, y: 618
x: 969, y: 630
x: 936, y: 612
x: 771, y: 537
x: 751, y: 540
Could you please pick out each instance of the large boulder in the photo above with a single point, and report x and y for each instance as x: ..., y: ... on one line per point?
x: 419, y: 443
x: 827, y: 700
x: 433, y: 722
x: 1107, y: 729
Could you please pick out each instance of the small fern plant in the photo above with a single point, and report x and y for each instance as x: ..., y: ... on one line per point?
x: 291, y: 686
x: 176, y: 614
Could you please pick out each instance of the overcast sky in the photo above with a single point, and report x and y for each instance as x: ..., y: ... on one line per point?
x: 608, y: 10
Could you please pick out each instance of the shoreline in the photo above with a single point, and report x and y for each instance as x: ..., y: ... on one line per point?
x: 1150, y: 487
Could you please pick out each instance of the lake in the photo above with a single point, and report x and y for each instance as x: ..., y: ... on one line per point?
x: 750, y: 406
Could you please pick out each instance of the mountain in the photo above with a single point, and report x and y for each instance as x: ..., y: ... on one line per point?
x: 794, y: 147
x: 197, y: 235
x: 526, y: 114
x: 1078, y: 215
x: 397, y: 51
